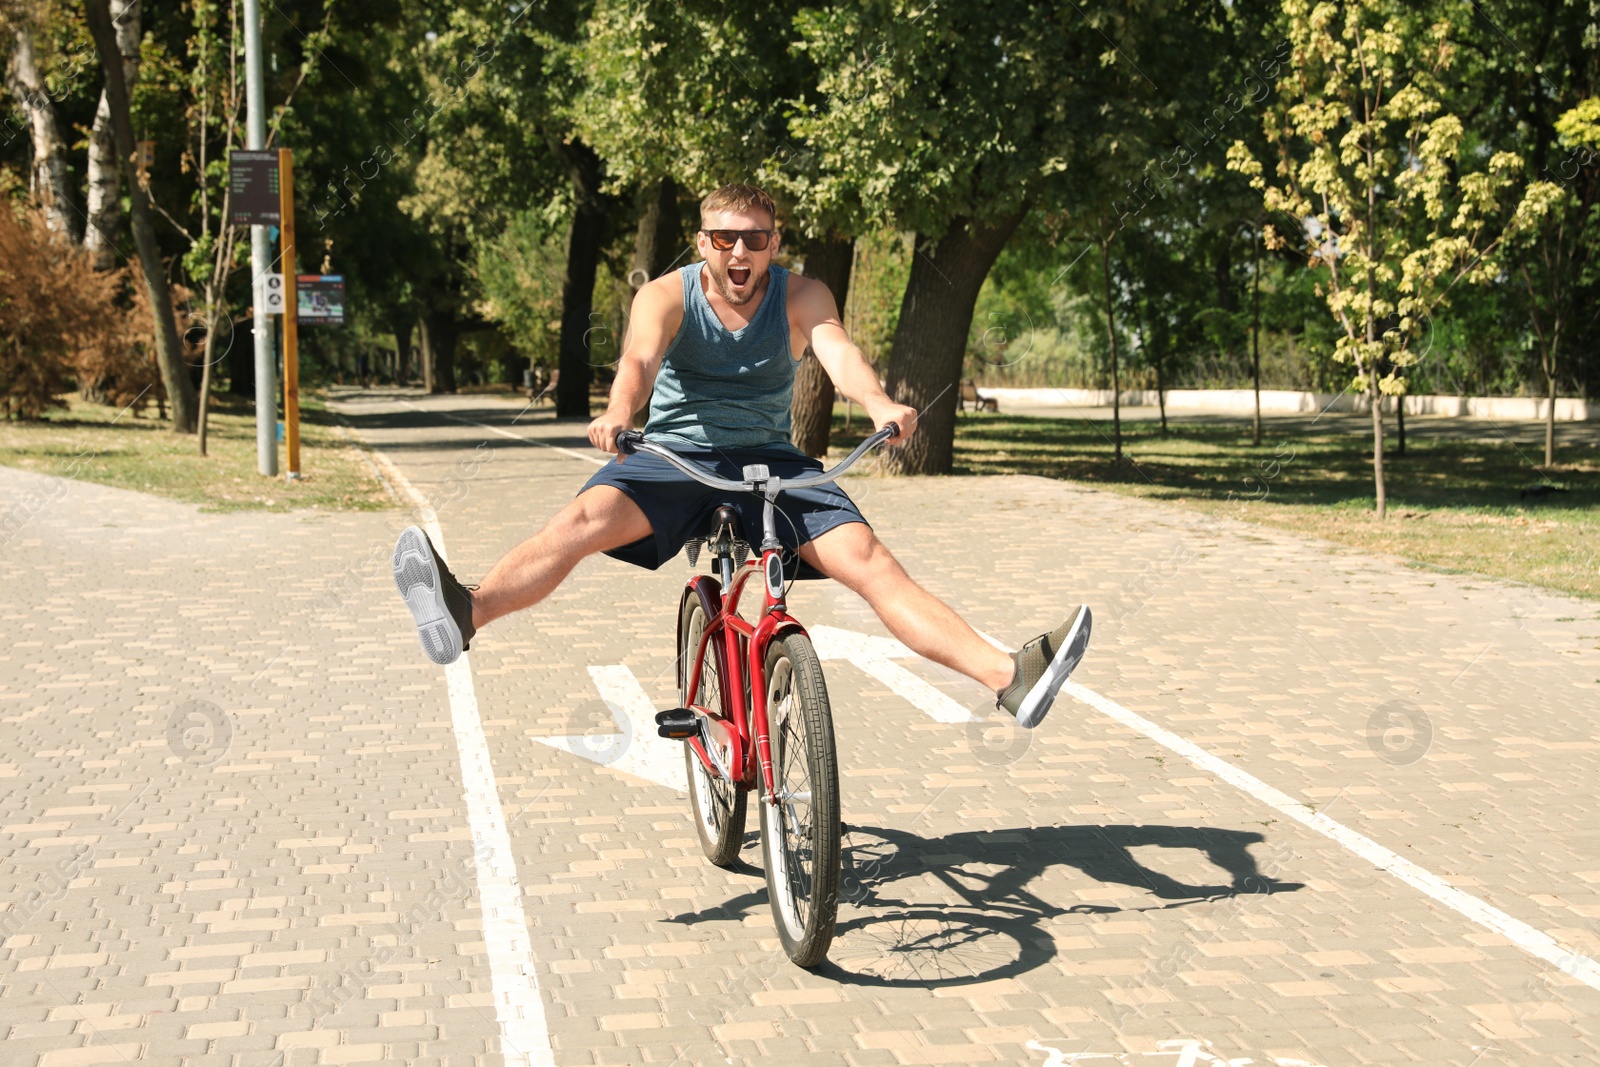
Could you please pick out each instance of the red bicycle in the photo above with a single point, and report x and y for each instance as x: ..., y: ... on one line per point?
x: 755, y: 711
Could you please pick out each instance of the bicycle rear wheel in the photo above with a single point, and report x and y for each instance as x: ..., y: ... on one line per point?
x: 716, y: 804
x: 800, y: 833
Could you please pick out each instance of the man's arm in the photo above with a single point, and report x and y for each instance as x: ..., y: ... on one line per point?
x: 818, y: 319
x: 657, y: 313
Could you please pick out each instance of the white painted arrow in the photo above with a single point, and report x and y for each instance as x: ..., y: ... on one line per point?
x: 635, y: 748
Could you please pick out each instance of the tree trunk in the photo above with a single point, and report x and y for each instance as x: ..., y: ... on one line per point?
x: 659, y: 240
x: 48, y: 178
x: 205, y: 388
x: 1377, y: 441
x: 930, y: 339
x: 442, y: 331
x: 169, y: 352
x: 402, y: 350
x: 584, y: 238
x: 1255, y: 341
x: 1116, y: 377
x: 1400, y: 423
x: 1161, y: 392
x: 426, y: 350
x: 105, y: 197
x: 1550, y: 422
x: 828, y: 261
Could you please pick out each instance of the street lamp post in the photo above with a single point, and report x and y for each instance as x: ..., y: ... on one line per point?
x: 260, y: 253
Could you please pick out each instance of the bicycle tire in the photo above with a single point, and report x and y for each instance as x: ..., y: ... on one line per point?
x: 717, y: 806
x: 800, y: 833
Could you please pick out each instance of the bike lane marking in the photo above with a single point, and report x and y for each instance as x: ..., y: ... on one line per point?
x: 629, y: 749
x: 1526, y: 937
x: 872, y: 654
x: 518, y: 1004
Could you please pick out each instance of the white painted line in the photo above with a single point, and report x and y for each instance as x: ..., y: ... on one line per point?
x: 507, y: 433
x: 1533, y: 941
x: 518, y: 1006
x: 636, y: 748
x: 925, y: 697
x: 872, y: 654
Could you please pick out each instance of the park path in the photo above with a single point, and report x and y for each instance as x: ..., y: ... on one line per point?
x: 243, y: 821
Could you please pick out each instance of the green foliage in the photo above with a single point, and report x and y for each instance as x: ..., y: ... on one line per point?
x: 519, y: 275
x: 1372, y: 181
x: 681, y: 89
x: 1581, y: 125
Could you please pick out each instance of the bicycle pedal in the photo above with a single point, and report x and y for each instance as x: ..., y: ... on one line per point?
x: 679, y: 724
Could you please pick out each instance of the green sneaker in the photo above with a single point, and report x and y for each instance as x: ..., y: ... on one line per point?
x: 1043, y: 665
x: 441, y: 606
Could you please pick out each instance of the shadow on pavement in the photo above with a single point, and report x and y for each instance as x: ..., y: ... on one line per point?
x: 957, y: 910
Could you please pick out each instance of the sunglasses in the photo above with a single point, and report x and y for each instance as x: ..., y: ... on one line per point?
x: 724, y: 240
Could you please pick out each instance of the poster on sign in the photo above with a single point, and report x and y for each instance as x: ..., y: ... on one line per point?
x: 320, y: 299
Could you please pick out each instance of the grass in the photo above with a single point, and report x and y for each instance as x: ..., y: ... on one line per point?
x: 1454, y: 504
x: 132, y: 451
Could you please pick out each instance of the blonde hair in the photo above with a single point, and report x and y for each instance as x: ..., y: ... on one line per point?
x: 737, y: 196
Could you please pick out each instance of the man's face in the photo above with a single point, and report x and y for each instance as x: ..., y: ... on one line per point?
x: 738, y: 271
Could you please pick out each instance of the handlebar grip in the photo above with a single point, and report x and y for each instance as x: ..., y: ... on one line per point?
x: 628, y: 441
x: 893, y: 428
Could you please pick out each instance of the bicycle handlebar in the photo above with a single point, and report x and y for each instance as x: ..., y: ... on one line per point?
x: 630, y: 442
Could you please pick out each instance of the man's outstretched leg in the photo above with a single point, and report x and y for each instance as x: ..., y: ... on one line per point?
x: 448, y: 613
x: 1025, y: 682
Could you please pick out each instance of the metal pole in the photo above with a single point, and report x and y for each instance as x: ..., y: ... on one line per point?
x: 291, y: 307
x: 260, y: 253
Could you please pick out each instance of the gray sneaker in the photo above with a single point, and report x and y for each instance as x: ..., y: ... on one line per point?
x: 1042, y: 668
x: 441, y: 605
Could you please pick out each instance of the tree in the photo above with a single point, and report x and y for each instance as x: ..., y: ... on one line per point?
x: 104, y: 200
x: 955, y: 121
x: 654, y: 105
x: 214, y: 131
x: 1555, y: 270
x: 1370, y: 160
x: 49, y: 179
x: 1525, y: 68
x: 169, y: 353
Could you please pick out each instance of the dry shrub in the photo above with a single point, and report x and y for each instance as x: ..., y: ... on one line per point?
x: 61, y: 321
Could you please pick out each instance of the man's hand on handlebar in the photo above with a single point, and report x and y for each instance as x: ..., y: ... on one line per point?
x: 603, y: 431
x: 903, y: 417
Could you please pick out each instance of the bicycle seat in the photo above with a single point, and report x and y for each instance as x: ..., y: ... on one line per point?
x: 726, y: 518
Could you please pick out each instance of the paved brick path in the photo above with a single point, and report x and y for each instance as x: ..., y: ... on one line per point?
x: 234, y: 826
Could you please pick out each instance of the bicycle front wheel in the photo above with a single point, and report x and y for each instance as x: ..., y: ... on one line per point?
x: 718, y: 805
x: 800, y: 831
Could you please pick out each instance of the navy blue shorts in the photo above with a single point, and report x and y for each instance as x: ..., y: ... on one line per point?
x: 680, y: 508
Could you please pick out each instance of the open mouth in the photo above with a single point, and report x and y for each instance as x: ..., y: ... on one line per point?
x: 738, y: 277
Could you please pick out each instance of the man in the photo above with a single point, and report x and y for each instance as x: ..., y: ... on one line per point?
x: 713, y: 348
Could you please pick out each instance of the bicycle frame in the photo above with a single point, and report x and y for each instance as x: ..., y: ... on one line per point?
x: 743, y: 728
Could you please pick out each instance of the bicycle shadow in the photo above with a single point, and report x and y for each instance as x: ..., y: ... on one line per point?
x: 958, y: 909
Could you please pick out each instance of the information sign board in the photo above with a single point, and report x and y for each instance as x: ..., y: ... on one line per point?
x: 253, y: 179
x: 319, y: 299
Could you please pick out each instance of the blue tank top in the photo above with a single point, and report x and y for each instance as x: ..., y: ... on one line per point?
x: 722, y: 388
